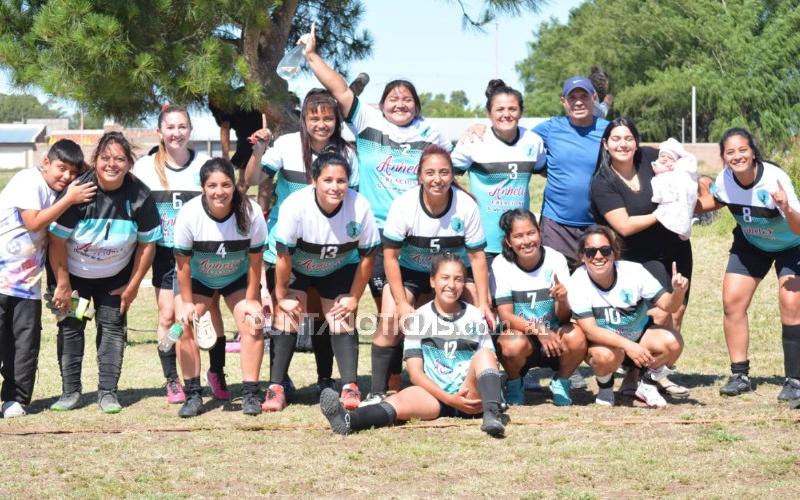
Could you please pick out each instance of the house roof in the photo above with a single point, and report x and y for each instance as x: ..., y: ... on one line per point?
x: 15, y: 133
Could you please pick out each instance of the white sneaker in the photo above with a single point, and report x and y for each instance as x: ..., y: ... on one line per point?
x: 12, y: 409
x: 373, y: 398
x: 605, y: 397
x: 648, y: 394
x: 204, y: 332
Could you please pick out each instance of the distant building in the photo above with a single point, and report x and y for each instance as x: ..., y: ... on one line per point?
x: 18, y: 144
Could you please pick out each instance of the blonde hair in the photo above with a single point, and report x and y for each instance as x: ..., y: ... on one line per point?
x: 160, y: 160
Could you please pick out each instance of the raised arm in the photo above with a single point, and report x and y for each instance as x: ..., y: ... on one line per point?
x: 330, y: 79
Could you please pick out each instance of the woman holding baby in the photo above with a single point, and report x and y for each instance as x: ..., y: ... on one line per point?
x: 622, y: 198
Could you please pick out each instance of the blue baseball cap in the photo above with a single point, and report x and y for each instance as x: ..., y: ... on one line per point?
x: 577, y: 82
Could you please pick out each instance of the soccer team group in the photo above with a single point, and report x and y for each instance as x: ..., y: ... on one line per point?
x: 465, y: 282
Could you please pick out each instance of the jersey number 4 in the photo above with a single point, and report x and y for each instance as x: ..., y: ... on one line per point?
x: 221, y: 250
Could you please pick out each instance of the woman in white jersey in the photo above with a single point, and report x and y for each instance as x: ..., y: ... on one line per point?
x: 500, y: 166
x: 450, y: 359
x: 437, y: 216
x: 218, y: 240
x: 389, y: 143
x: 172, y: 173
x: 326, y: 239
x: 289, y: 161
x: 609, y: 300
x: 762, y: 200
x: 528, y: 282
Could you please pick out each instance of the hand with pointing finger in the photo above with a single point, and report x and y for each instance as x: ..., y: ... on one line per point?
x: 780, y: 199
x: 557, y: 290
x: 679, y: 282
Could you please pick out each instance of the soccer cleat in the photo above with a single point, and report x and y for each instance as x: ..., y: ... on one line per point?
x: 560, y: 387
x: 204, y: 332
x: 251, y: 405
x: 351, y: 396
x: 358, y: 84
x: 67, y: 401
x: 333, y: 410
x: 790, y: 390
x: 576, y: 380
x: 514, y: 394
x: 108, y: 403
x: 13, y: 409
x: 289, y: 389
x: 605, y: 397
x: 192, y: 407
x: 219, y: 388
x: 738, y: 383
x: 493, y: 423
x: 373, y: 398
x: 275, y: 400
x: 649, y: 395
x: 324, y: 383
x: 175, y: 394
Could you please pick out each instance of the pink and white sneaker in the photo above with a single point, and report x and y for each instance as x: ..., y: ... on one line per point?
x: 219, y: 388
x: 175, y: 394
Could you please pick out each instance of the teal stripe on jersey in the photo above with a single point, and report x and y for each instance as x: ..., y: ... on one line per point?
x: 771, y: 234
x: 628, y: 323
x: 420, y: 259
x: 446, y: 372
x: 323, y: 263
x: 217, y: 270
x: 536, y: 304
x: 495, y: 194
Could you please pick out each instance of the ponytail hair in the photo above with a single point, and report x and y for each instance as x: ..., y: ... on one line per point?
x: 160, y: 160
x: 497, y: 87
x: 507, y: 223
x: 240, y: 204
x: 443, y: 258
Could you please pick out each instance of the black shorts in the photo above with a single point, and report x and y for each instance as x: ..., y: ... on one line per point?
x: 661, y: 268
x: 419, y: 282
x: 378, y: 279
x: 539, y: 358
x: 269, y: 276
x: 163, y: 268
x: 748, y: 260
x: 562, y: 238
x: 628, y: 362
x: 449, y: 411
x: 205, y: 291
x: 331, y: 286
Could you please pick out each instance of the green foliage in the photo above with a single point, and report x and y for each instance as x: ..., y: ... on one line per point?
x: 742, y: 55
x: 17, y: 108
x: 457, y: 107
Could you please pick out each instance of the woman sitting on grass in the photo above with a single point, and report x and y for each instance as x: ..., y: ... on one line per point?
x: 450, y: 360
x: 610, y: 299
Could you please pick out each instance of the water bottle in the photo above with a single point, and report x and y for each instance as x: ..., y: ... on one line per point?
x: 173, y: 334
x: 289, y: 65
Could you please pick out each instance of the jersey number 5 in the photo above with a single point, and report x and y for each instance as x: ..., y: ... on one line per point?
x: 328, y: 252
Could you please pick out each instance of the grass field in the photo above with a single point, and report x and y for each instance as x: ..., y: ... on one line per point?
x: 705, y: 446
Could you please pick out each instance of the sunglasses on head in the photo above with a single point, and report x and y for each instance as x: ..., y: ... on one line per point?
x: 604, y: 250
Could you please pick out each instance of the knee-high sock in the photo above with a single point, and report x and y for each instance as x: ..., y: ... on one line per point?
x: 489, y: 385
x: 396, y: 367
x: 791, y: 350
x: 323, y: 352
x: 216, y: 356
x: 345, y: 348
x: 283, y: 345
x: 379, y: 415
x: 168, y: 363
x: 381, y: 359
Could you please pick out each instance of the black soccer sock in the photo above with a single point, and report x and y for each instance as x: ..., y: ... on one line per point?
x: 345, y: 347
x: 192, y: 386
x: 396, y: 366
x: 168, y: 363
x: 379, y: 415
x: 283, y: 343
x: 381, y: 360
x: 605, y: 384
x: 489, y: 386
x: 250, y: 387
x: 216, y: 356
x: 791, y: 350
x: 741, y: 367
x: 323, y: 352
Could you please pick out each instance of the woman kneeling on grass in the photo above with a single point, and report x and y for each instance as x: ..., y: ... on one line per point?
x: 610, y: 299
x: 218, y: 239
x: 450, y: 360
x: 527, y: 283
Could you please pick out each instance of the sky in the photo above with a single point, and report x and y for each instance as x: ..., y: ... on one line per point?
x: 423, y: 41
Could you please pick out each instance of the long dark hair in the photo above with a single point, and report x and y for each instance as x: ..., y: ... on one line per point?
x: 114, y: 137
x: 610, y: 235
x: 603, y: 166
x: 436, y: 150
x: 240, y: 204
x: 497, y: 87
x: 443, y: 258
x: 327, y: 159
x: 507, y: 223
x: 758, y: 157
x: 408, y: 86
x: 315, y: 100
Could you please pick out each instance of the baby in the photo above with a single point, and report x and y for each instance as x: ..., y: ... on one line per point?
x: 675, y: 187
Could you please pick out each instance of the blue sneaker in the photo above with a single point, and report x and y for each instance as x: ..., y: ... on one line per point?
x: 514, y: 394
x: 560, y: 389
x: 531, y: 381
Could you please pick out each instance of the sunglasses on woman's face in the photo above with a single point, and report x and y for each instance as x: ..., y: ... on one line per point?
x: 604, y: 250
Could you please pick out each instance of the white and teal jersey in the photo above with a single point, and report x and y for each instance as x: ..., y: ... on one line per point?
x: 529, y: 289
x: 499, y: 174
x: 421, y: 235
x: 388, y: 155
x: 102, y: 235
x: 446, y: 344
x: 321, y: 243
x: 762, y: 224
x: 219, y: 252
x: 183, y: 184
x: 623, y: 307
x: 284, y: 161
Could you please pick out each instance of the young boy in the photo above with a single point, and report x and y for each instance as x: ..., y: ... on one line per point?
x: 27, y: 207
